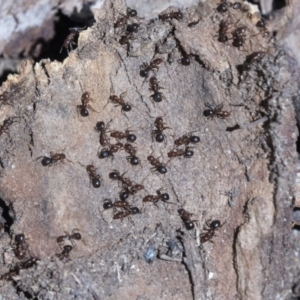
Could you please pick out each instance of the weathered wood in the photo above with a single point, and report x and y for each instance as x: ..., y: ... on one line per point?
x: 242, y: 172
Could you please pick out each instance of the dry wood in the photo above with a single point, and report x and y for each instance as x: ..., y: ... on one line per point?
x: 242, y: 172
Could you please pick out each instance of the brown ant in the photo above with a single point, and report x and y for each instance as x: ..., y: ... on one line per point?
x: 124, y: 40
x: 4, y: 99
x: 158, y: 166
x: 136, y: 188
x: 193, y: 23
x: 28, y: 263
x: 157, y: 96
x: 236, y: 5
x: 262, y: 25
x: 130, y: 137
x: 25, y: 264
x: 210, y: 231
x: 216, y: 112
x: 132, y: 158
x: 146, y: 68
x: 94, y: 177
x: 223, y: 6
x: 108, y: 204
x: 121, y: 22
x: 6, y: 123
x: 158, y: 133
x: 21, y: 247
x: 186, y: 139
x: 172, y: 15
x: 69, y: 41
x: 104, y: 139
x: 155, y: 198
x: 120, y: 102
x: 245, y: 9
x: 69, y: 237
x: 185, y: 60
x: 134, y: 27
x: 115, y: 175
x: 106, y: 152
x: 132, y: 190
x: 238, y: 36
x: 223, y: 31
x: 186, y: 153
x: 252, y: 58
x: 186, y: 218
x: 65, y: 254
x: 127, y: 212
x: 83, y: 108
x: 54, y: 158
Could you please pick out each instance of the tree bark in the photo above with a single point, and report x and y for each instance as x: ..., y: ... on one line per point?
x: 242, y: 172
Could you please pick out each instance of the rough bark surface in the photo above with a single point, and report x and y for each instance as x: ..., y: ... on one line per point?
x: 242, y: 172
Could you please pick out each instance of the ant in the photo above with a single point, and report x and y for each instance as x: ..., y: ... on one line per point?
x: 186, y: 153
x: 210, y: 231
x: 124, y: 40
x: 25, y: 264
x: 134, y: 27
x: 106, y: 152
x: 94, y: 177
x: 104, y: 139
x: 157, y: 96
x: 245, y: 9
x: 65, y: 255
x: 238, y: 36
x: 172, y: 15
x: 120, y: 102
x: 130, y: 137
x: 129, y: 211
x: 186, y: 139
x: 262, y: 25
x: 6, y: 123
x: 193, y: 23
x: 132, y: 158
x: 115, y: 175
x: 236, y: 5
x: 4, y: 99
x: 69, y: 41
x: 135, y: 188
x: 155, y: 198
x: 108, y: 204
x: 124, y: 194
x: 21, y: 247
x: 186, y: 218
x: 254, y: 57
x: 69, y: 237
x: 223, y: 31
x: 145, y: 68
x: 185, y: 60
x: 158, y: 166
x: 216, y: 112
x: 223, y: 6
x: 158, y: 133
x: 123, y: 21
x: 54, y: 158
x: 132, y: 190
x: 83, y: 108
